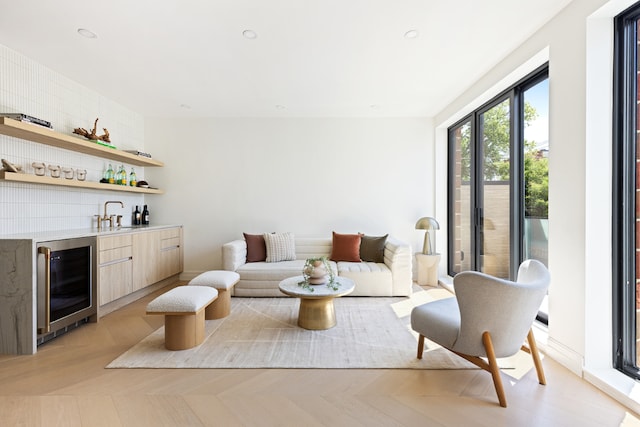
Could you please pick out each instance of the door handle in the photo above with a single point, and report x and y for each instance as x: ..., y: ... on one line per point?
x: 43, y: 250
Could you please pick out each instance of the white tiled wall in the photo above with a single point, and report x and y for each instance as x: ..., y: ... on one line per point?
x: 30, y: 88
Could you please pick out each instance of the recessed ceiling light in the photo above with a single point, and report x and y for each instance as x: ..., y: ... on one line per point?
x: 411, y: 34
x: 86, y: 33
x: 249, y: 34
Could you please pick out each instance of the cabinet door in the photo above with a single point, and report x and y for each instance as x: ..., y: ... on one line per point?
x: 157, y: 254
x: 145, y: 259
x: 116, y: 280
x: 115, y: 268
x: 170, y: 253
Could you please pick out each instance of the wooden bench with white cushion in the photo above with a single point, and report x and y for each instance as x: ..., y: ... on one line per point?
x: 223, y: 282
x: 183, y: 309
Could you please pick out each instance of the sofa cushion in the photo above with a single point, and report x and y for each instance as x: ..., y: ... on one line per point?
x: 345, y: 247
x: 372, y: 248
x: 372, y: 278
x: 256, y: 248
x: 264, y: 271
x: 280, y: 247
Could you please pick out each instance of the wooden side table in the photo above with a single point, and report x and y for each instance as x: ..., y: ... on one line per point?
x: 428, y: 269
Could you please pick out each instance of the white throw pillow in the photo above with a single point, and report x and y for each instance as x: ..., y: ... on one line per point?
x: 280, y: 247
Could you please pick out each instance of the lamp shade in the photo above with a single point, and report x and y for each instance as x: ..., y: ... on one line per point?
x: 427, y: 223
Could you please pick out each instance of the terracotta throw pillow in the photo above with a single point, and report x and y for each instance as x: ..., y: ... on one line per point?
x: 372, y: 248
x: 256, y: 249
x: 346, y: 247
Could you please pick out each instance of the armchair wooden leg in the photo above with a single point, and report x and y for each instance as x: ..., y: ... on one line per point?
x: 494, y: 369
x: 420, y: 346
x: 533, y: 347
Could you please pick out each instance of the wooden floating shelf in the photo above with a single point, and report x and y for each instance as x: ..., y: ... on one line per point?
x: 46, y: 180
x: 42, y: 135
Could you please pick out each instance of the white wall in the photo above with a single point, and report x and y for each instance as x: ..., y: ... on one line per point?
x: 224, y: 177
x: 28, y: 87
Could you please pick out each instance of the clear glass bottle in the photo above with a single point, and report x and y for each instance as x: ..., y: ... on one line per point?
x: 123, y: 176
x: 132, y: 178
x: 108, y: 175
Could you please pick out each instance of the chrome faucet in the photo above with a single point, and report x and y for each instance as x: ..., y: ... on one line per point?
x: 107, y: 217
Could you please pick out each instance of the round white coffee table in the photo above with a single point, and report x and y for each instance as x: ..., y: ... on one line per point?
x: 316, y: 308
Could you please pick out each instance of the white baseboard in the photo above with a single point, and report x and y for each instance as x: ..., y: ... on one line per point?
x: 565, y: 356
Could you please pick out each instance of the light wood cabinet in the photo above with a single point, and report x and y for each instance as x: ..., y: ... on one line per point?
x: 170, y: 253
x: 158, y: 254
x: 145, y: 249
x: 115, y: 267
x: 133, y: 261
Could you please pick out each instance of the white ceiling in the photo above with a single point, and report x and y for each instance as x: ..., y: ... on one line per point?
x: 312, y: 58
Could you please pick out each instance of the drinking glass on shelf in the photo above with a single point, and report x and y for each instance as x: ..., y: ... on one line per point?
x: 55, y: 171
x: 38, y: 168
x: 68, y: 173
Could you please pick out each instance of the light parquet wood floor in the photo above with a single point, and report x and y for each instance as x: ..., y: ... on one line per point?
x: 65, y: 384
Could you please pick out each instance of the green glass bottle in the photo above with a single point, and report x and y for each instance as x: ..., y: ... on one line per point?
x: 132, y: 178
x: 123, y: 175
x: 109, y: 176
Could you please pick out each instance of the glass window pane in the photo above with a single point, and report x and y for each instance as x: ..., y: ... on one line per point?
x: 462, y: 254
x: 536, y: 172
x: 496, y: 191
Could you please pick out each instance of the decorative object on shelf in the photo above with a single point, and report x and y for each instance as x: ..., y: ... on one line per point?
x: 39, y: 168
x: 428, y: 224
x: 142, y: 184
x: 27, y: 119
x: 93, y: 136
x: 55, y: 171
x: 317, y: 271
x: 68, y: 173
x: 138, y: 153
x: 132, y: 178
x: 81, y: 174
x: 10, y: 167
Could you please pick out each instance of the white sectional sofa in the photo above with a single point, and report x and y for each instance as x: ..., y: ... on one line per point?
x: 261, y: 279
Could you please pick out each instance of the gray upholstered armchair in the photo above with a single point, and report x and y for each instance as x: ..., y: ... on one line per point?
x: 488, y: 317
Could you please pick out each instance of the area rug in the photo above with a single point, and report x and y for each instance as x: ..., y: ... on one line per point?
x: 371, y: 332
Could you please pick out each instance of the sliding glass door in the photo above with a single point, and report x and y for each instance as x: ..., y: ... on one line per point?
x: 498, y: 182
x: 493, y: 201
